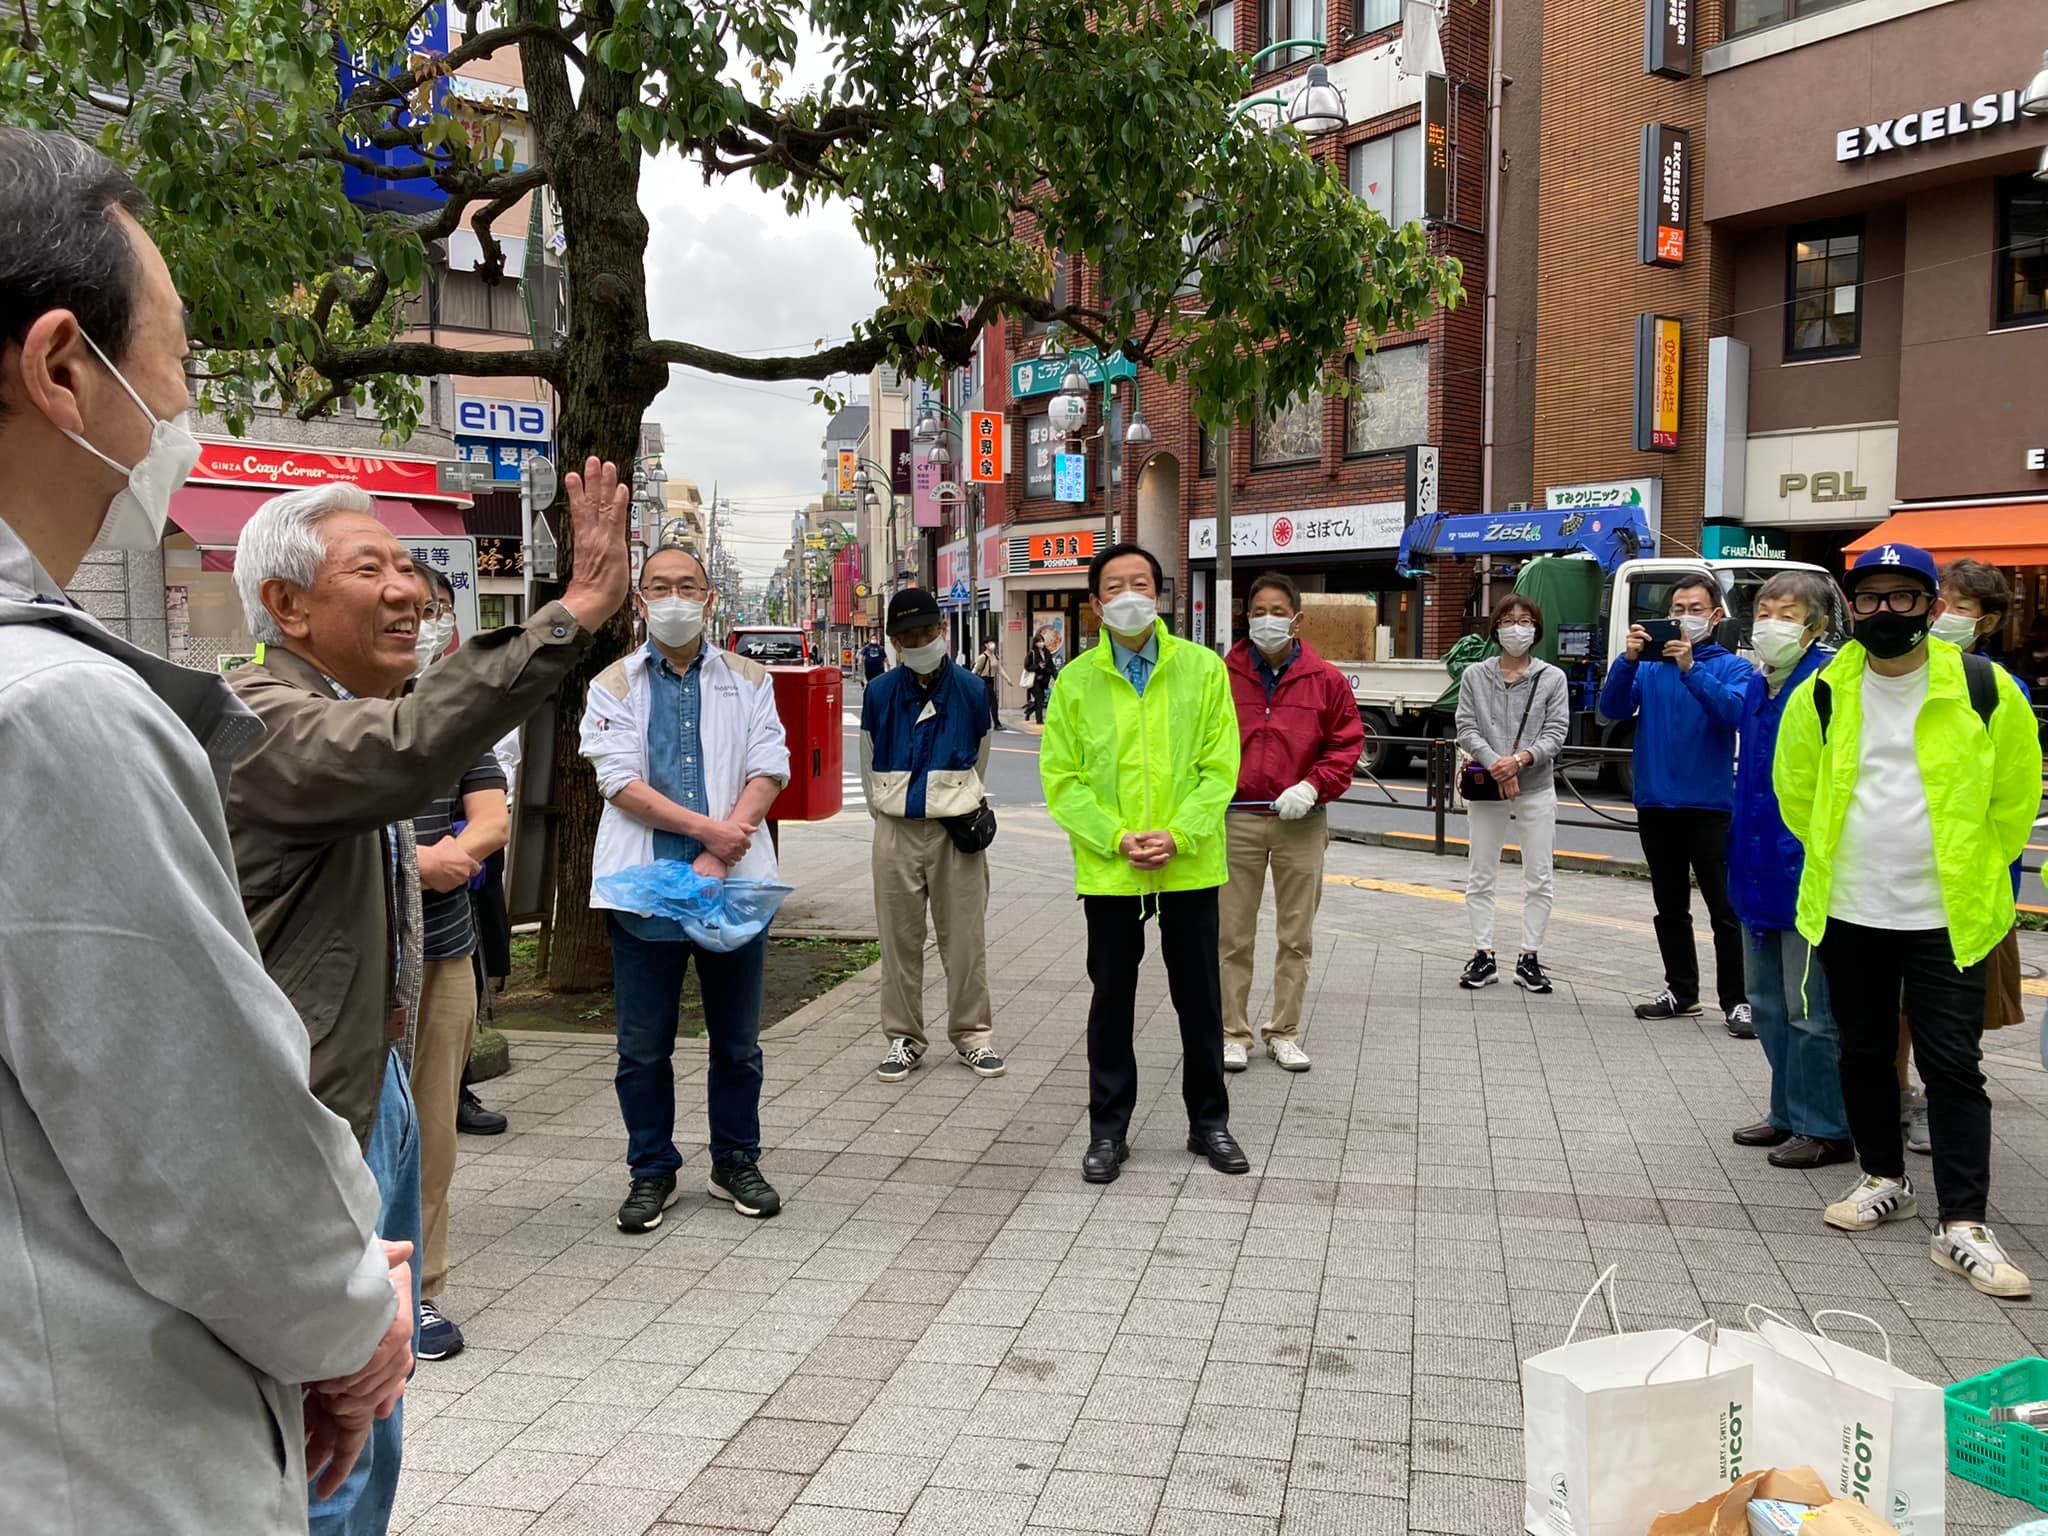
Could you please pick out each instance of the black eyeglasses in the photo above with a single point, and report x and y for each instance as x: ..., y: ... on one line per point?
x: 1899, y: 600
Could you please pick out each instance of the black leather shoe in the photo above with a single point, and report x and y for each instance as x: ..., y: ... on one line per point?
x: 1224, y: 1154
x: 1103, y: 1161
x: 1810, y: 1152
x: 472, y: 1119
x: 1762, y: 1134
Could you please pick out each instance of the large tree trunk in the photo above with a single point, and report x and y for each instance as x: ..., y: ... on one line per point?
x: 608, y: 383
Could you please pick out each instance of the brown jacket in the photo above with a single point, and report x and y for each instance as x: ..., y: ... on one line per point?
x: 308, y: 810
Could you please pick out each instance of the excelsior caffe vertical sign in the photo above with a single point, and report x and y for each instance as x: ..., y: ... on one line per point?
x: 1667, y: 38
x: 1664, y: 205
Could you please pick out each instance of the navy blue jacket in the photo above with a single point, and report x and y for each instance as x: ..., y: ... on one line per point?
x: 922, y: 751
x: 1764, y: 860
x: 1685, y: 745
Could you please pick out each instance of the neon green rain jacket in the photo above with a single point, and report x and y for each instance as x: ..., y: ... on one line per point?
x: 1983, y: 791
x: 1113, y: 763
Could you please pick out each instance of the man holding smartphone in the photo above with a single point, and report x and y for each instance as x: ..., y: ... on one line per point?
x: 1688, y: 692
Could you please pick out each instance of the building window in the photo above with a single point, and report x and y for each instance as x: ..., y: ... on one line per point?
x: 1282, y: 19
x: 1376, y: 14
x: 2022, y: 250
x: 1038, y: 448
x: 1293, y: 434
x: 1387, y: 173
x: 1218, y: 19
x: 1752, y: 15
x: 1390, y: 409
x: 1824, y: 292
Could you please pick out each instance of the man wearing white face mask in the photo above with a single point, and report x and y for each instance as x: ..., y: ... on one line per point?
x: 1299, y: 737
x: 1688, y: 693
x: 690, y: 754
x: 924, y: 743
x: 454, y: 835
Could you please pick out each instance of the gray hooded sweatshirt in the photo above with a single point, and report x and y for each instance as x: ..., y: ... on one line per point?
x: 184, y: 1230
x: 1490, y: 712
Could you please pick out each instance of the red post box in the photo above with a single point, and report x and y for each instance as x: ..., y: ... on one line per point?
x: 807, y: 699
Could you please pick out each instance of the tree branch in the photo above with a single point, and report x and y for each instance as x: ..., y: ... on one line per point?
x: 952, y: 341
x: 343, y: 365
x: 388, y: 90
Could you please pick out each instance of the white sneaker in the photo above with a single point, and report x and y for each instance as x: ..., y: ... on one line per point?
x: 1292, y: 1058
x: 1972, y: 1252
x: 1235, y: 1057
x: 1872, y: 1203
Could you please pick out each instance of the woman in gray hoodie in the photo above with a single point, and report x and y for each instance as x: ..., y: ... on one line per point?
x: 1513, y: 714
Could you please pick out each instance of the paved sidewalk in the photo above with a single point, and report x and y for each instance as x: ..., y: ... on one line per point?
x: 948, y: 1332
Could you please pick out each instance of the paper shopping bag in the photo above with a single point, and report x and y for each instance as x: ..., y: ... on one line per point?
x: 1617, y: 1429
x: 1874, y: 1433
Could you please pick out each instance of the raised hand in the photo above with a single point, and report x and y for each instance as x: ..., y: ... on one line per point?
x: 602, y: 568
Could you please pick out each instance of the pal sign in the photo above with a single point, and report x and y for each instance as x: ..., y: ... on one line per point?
x: 523, y: 421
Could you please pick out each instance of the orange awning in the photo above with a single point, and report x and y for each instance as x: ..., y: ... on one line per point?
x: 2011, y: 535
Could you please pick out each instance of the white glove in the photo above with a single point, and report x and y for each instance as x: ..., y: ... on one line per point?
x: 1295, y: 802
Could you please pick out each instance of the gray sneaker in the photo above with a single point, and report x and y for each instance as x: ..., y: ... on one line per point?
x: 1913, y: 1113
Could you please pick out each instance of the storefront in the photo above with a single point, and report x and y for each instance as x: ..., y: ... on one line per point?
x: 1807, y: 493
x: 1323, y: 549
x: 232, y: 479
x: 966, y: 630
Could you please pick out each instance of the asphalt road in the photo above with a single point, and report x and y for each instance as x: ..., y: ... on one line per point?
x: 1592, y: 823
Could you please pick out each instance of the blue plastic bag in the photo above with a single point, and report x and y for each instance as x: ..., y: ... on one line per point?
x: 718, y: 915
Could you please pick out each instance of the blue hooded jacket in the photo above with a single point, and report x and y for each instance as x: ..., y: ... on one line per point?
x: 1764, y: 860
x: 1685, y: 746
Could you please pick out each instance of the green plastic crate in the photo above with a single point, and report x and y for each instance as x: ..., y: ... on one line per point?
x: 2011, y: 1459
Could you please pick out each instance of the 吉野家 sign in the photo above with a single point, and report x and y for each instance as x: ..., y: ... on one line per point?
x: 1950, y: 121
x: 849, y: 464
x: 1657, y: 383
x: 1070, y: 477
x: 985, y: 447
x: 1667, y: 38
x: 1663, y: 204
x: 526, y: 421
x: 1436, y: 149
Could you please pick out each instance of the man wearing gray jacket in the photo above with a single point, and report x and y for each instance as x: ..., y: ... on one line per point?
x: 186, y: 1234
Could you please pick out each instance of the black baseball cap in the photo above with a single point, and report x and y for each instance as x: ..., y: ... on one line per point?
x: 913, y: 608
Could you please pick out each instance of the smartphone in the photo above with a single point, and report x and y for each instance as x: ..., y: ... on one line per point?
x: 1661, y: 632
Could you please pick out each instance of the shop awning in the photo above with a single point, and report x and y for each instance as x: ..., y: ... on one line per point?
x: 2009, y: 535
x: 214, y: 515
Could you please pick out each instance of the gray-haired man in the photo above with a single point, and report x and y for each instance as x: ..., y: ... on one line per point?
x: 185, y: 1232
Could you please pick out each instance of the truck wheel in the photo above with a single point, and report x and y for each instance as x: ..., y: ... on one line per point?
x: 1381, y: 756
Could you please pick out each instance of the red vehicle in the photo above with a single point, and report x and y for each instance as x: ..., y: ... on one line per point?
x: 808, y: 700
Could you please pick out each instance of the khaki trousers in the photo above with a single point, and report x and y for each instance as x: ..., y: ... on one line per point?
x: 447, y: 1031
x: 915, y: 866
x: 1294, y: 852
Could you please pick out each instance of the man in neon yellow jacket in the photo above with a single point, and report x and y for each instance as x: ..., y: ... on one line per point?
x: 1912, y: 774
x: 1139, y: 762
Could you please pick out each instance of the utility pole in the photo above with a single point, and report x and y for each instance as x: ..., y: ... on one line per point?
x: 1219, y: 605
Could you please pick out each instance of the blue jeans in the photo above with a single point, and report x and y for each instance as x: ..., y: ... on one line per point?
x: 1797, y: 1032
x: 363, y: 1506
x: 647, y: 989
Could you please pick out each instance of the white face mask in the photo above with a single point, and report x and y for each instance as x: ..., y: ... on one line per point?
x: 1130, y: 613
x: 1694, y: 626
x: 1516, y: 639
x: 1270, y: 631
x: 1956, y: 629
x: 675, y: 620
x: 433, y: 639
x: 1779, y: 641
x: 136, y: 516
x: 922, y: 659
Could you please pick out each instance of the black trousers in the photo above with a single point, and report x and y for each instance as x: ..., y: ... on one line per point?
x: 1867, y: 969
x: 1679, y: 844
x: 1116, y: 946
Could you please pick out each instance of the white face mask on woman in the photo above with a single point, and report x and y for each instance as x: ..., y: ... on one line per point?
x: 1779, y: 641
x: 1516, y: 639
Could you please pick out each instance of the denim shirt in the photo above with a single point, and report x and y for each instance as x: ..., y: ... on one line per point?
x: 675, y: 769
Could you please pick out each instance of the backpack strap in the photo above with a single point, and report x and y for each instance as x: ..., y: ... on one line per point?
x: 1980, y: 676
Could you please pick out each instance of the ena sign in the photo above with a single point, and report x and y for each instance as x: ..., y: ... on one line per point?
x: 523, y: 421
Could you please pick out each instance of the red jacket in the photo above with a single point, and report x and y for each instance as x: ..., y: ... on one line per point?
x: 1309, y: 731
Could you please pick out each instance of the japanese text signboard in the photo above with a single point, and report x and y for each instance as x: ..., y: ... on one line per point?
x: 1664, y: 204
x: 1658, y: 340
x: 985, y: 447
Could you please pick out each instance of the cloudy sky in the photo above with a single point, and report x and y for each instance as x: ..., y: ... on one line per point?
x: 728, y: 268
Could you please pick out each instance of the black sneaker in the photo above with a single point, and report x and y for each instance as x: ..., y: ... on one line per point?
x: 985, y: 1062
x: 897, y: 1065
x: 1480, y: 971
x: 1665, y: 1005
x: 645, y: 1202
x: 740, y: 1182
x: 1741, y: 1025
x: 1529, y: 973
x: 439, y: 1338
x: 472, y: 1119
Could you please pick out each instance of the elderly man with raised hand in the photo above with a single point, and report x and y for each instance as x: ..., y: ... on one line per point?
x: 185, y: 1232
x: 321, y: 809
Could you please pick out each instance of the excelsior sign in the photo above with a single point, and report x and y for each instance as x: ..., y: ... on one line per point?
x: 1915, y: 128
x: 290, y: 469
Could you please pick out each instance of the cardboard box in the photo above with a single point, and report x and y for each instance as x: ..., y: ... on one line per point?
x: 1727, y: 1514
x: 1339, y: 626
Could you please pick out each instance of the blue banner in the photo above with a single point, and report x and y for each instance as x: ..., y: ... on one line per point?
x: 428, y: 39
